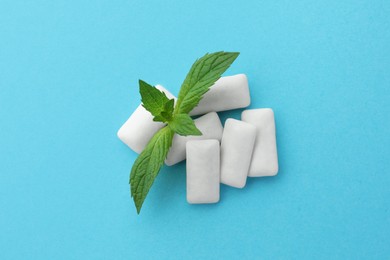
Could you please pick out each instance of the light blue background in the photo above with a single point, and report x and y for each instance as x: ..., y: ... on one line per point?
x: 68, y: 80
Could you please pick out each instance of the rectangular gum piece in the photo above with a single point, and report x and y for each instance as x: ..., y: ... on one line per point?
x: 203, y: 162
x: 237, y: 144
x: 265, y: 156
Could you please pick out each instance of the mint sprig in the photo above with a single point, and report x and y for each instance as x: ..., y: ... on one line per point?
x: 202, y: 75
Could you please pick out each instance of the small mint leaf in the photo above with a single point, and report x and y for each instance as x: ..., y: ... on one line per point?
x: 154, y: 100
x: 183, y: 124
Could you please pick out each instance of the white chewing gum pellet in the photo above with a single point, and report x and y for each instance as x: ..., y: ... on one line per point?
x: 203, y: 171
x: 227, y: 93
x: 265, y: 156
x: 140, y: 127
x: 237, y: 144
x: 211, y: 127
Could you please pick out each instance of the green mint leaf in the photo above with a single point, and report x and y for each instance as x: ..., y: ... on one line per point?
x: 156, y: 102
x: 184, y: 125
x: 202, y: 75
x: 148, y: 164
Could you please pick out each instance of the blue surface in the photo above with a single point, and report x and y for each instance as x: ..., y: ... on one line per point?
x: 68, y: 80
